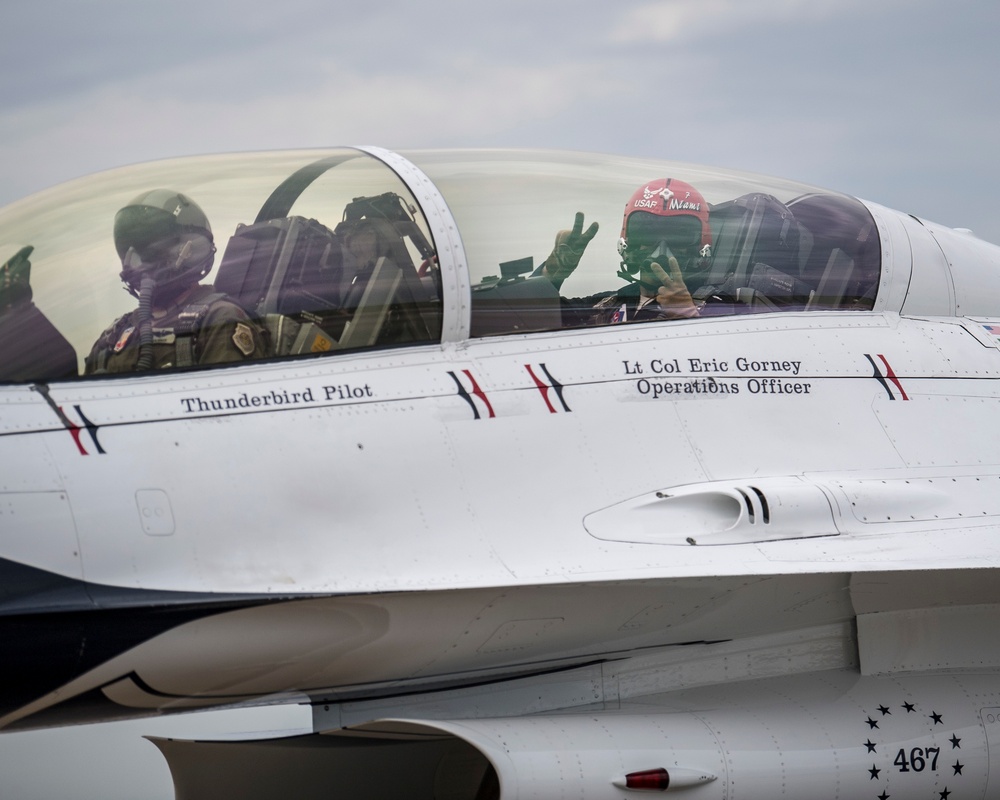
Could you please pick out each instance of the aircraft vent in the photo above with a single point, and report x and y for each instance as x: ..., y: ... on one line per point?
x: 755, y: 511
x: 719, y: 512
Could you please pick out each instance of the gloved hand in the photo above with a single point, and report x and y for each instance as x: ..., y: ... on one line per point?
x: 673, y: 295
x: 15, y: 287
x: 568, y: 251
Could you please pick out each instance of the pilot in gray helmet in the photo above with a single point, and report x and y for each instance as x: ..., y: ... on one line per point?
x: 166, y: 247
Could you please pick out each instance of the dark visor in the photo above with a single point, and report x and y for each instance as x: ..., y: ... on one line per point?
x: 680, y: 231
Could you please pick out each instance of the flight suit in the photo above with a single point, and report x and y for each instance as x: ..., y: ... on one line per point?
x: 623, y: 305
x: 206, y: 328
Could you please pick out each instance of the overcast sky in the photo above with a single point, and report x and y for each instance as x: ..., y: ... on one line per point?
x: 896, y: 101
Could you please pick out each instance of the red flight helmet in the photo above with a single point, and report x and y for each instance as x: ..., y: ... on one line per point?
x: 665, y: 209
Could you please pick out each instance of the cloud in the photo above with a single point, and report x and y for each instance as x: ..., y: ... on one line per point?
x: 684, y: 21
x: 847, y: 94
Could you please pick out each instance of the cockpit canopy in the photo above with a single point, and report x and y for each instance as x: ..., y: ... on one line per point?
x: 333, y: 251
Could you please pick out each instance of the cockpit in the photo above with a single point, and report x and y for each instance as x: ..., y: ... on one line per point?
x: 315, y: 253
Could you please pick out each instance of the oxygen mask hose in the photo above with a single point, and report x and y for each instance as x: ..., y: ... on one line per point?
x: 146, y: 287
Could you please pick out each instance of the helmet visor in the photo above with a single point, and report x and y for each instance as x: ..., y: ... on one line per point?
x: 148, y: 238
x: 148, y: 232
x: 681, y: 232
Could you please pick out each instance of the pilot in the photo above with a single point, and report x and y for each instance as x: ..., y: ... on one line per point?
x: 165, y: 244
x: 665, y: 247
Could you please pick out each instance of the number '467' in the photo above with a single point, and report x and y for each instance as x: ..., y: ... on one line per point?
x: 918, y: 759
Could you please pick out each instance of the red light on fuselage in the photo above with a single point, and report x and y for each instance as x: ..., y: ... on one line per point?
x: 656, y: 779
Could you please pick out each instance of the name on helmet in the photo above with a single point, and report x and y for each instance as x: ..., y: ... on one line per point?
x: 673, y: 205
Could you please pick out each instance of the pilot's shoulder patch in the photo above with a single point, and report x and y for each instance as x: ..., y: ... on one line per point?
x: 243, y: 339
x: 123, y: 338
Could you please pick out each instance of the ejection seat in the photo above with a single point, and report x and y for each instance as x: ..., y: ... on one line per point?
x: 300, y: 278
x: 386, y: 301
x: 287, y: 273
x: 756, y: 258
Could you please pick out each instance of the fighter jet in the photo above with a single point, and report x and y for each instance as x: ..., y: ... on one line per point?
x: 534, y: 474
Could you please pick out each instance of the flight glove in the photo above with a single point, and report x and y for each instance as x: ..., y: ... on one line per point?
x: 568, y: 251
x: 673, y: 296
x: 15, y: 288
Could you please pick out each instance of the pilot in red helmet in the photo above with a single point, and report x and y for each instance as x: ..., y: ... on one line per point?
x: 664, y: 231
